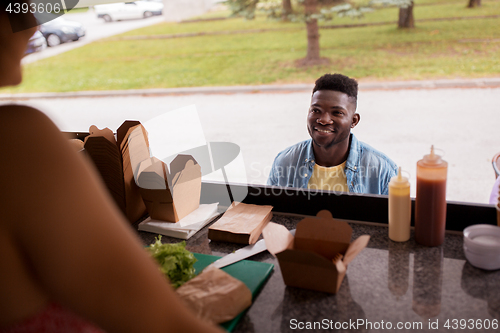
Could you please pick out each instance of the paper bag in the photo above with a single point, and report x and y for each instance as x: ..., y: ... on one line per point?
x: 215, y: 296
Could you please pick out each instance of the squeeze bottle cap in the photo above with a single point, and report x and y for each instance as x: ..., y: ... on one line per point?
x: 432, y: 158
x: 399, y: 180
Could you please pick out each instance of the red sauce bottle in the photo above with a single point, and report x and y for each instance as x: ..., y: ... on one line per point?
x: 430, y: 202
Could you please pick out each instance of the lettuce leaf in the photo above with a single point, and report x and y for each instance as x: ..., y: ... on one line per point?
x: 175, y: 261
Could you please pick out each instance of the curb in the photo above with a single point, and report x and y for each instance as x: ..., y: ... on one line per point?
x: 286, y: 88
x: 434, y: 84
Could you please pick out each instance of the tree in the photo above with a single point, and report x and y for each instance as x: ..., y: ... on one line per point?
x: 312, y: 57
x: 310, y: 16
x: 287, y: 9
x: 405, y: 19
x: 474, y: 3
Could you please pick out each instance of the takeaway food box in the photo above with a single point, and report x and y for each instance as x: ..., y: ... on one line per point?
x: 317, y: 257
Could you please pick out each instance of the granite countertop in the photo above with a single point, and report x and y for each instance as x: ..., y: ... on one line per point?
x: 386, y: 284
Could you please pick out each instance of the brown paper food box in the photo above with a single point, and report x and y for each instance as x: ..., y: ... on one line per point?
x: 241, y: 223
x: 179, y: 195
x: 318, y: 256
x: 134, y: 205
x: 112, y: 160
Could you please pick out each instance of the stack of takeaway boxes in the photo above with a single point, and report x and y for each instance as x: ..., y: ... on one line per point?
x: 165, y: 195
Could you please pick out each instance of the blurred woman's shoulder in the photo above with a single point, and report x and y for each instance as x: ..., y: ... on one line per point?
x: 19, y: 123
x: 16, y: 112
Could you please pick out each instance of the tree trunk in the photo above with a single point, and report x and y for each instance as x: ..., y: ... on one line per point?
x: 406, y: 17
x: 474, y: 3
x: 312, y: 31
x: 312, y: 58
x: 287, y: 9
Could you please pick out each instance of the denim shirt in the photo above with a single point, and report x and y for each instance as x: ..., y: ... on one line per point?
x: 367, y: 170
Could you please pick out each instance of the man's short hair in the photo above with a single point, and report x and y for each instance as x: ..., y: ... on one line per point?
x: 337, y: 82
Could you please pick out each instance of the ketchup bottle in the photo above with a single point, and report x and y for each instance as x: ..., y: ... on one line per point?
x: 430, y: 202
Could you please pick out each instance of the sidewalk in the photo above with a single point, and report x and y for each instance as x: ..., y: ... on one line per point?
x: 285, y: 88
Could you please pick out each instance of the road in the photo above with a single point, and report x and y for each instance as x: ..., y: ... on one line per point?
x: 96, y: 29
x: 401, y: 123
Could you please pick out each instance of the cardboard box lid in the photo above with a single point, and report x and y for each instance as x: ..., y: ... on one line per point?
x: 152, y: 174
x: 313, y: 265
x: 183, y: 168
x: 170, y: 196
x: 323, y: 235
x: 355, y: 248
x: 279, y: 239
x: 155, y: 174
x: 105, y: 133
x: 185, y: 182
x: 122, y: 131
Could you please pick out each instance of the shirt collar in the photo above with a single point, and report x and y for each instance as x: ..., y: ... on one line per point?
x: 354, y: 154
x: 309, y: 155
x: 353, y: 157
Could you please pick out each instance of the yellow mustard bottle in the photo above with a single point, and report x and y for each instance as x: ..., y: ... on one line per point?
x: 399, y: 208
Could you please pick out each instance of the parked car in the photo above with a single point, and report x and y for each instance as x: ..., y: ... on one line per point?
x: 36, y: 43
x: 60, y: 30
x: 128, y: 10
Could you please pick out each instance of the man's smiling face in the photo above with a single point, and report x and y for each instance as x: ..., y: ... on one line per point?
x: 331, y: 116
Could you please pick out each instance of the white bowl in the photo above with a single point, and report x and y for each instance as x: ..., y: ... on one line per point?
x: 482, y: 246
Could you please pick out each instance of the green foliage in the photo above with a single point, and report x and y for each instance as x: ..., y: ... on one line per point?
x: 273, y: 10
x: 344, y: 10
x: 396, y: 3
x: 244, y: 8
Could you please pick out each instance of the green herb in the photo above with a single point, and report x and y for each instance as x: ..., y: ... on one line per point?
x: 175, y: 261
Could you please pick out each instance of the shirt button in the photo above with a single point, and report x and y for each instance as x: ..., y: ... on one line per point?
x: 305, y: 175
x: 355, y: 168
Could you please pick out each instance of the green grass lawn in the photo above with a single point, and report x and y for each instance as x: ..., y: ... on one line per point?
x: 433, y: 50
x: 77, y: 10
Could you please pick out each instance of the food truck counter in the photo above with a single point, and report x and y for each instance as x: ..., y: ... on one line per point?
x: 388, y: 286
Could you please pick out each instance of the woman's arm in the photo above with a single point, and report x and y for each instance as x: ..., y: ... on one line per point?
x: 75, y: 239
